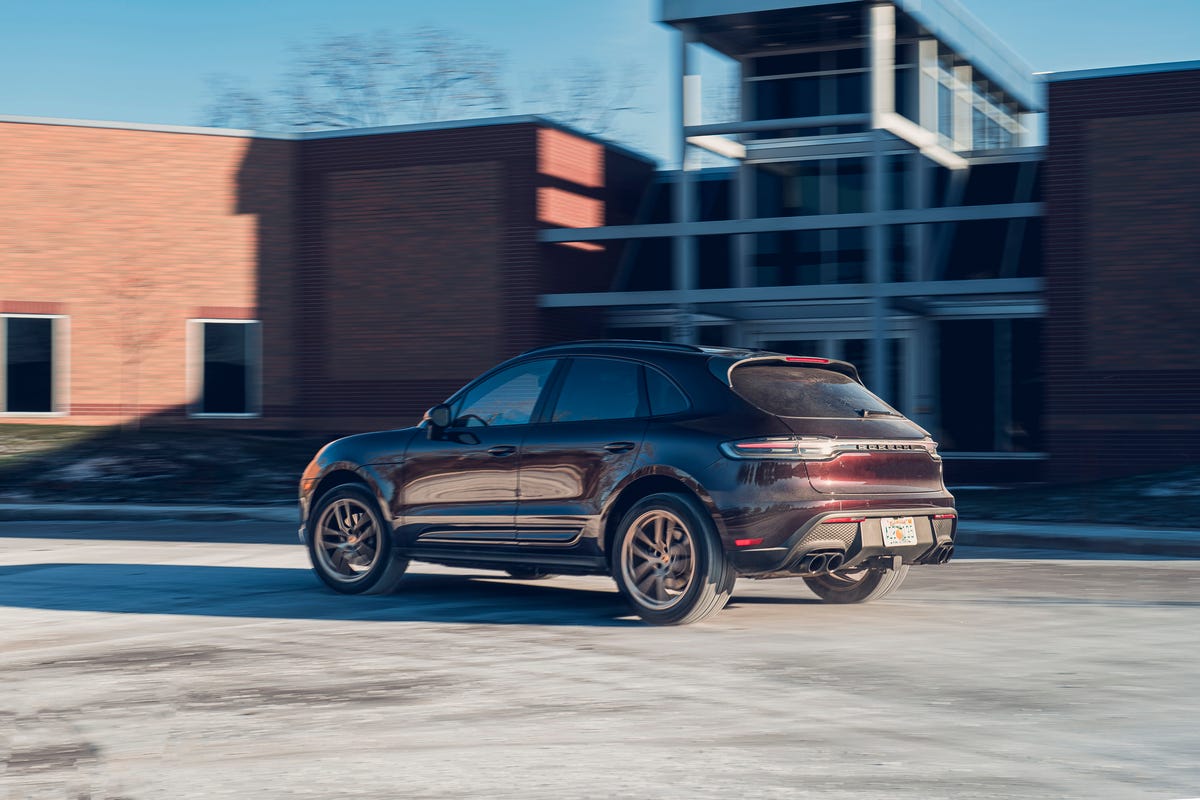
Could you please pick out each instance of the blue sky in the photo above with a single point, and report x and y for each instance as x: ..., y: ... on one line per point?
x: 150, y: 60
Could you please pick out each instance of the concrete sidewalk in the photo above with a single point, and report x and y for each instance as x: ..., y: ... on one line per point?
x: 1183, y: 543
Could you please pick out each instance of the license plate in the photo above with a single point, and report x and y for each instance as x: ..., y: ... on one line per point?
x: 898, y: 531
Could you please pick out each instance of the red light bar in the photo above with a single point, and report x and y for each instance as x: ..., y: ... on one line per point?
x: 843, y: 519
x: 747, y: 542
x: 943, y: 516
x: 806, y: 360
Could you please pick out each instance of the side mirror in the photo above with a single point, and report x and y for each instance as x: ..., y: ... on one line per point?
x: 439, y: 419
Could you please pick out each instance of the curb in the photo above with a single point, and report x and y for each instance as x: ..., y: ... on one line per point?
x: 1080, y: 538
x: 79, y: 512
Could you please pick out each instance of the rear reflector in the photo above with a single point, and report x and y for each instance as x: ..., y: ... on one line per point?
x: 943, y: 516
x: 837, y: 520
x: 747, y: 542
x: 806, y: 360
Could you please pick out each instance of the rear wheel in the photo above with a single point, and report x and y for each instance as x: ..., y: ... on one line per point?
x: 857, y: 585
x: 350, y: 545
x: 668, y: 561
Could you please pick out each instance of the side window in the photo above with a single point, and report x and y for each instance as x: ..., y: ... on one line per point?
x: 665, y: 396
x: 507, y: 398
x: 599, y: 388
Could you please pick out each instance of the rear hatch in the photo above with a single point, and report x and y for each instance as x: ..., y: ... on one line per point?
x: 855, y: 443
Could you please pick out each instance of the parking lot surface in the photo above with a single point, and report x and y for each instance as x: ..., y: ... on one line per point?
x: 152, y: 660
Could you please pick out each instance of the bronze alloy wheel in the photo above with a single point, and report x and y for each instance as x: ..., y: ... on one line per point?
x: 350, y: 544
x: 658, y: 559
x: 668, y: 562
x: 347, y: 543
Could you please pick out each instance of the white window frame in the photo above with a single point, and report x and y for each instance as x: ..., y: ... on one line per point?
x: 60, y: 365
x: 195, y: 369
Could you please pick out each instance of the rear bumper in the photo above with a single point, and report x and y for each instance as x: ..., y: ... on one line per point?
x: 858, y: 542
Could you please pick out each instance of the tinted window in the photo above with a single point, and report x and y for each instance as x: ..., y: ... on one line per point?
x: 506, y: 398
x: 803, y: 392
x: 599, y: 388
x: 665, y: 397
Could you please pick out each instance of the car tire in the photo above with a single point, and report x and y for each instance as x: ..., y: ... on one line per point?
x: 857, y: 586
x: 528, y: 574
x: 668, y: 561
x: 350, y: 543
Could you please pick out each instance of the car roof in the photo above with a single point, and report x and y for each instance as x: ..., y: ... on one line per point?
x: 672, y: 351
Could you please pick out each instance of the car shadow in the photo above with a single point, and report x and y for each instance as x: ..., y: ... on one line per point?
x: 289, y: 593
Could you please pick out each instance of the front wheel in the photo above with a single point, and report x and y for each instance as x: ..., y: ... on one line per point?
x: 350, y: 545
x: 668, y: 561
x: 857, y: 585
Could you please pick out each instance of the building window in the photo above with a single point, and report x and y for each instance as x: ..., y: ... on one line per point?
x: 30, y: 358
x: 225, y: 367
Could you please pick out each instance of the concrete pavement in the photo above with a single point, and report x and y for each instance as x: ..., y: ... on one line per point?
x: 1088, y: 538
x: 189, y: 668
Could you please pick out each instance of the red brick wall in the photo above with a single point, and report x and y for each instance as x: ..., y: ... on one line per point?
x: 1123, y: 274
x: 431, y: 235
x: 130, y: 233
x: 386, y: 269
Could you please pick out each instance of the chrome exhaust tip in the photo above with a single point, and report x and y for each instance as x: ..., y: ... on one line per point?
x: 833, y: 561
x: 817, y: 563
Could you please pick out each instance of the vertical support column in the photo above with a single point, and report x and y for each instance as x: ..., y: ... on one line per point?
x: 683, y: 272
x: 924, y: 348
x: 883, y: 63
x: 877, y: 259
x: 963, y: 103
x: 743, y: 193
x: 883, y: 104
x: 1030, y: 123
x: 927, y: 378
x: 1002, y: 361
x: 927, y: 84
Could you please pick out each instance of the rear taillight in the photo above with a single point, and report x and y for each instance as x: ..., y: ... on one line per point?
x: 821, y: 448
x: 788, y: 447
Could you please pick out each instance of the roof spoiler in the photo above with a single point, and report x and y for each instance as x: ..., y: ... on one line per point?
x: 723, y: 367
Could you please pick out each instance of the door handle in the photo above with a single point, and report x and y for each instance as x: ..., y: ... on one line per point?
x: 619, y: 447
x: 502, y: 450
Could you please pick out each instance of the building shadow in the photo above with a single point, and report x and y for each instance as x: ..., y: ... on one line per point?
x: 287, y: 593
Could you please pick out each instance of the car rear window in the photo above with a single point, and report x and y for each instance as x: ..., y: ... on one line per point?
x: 788, y: 391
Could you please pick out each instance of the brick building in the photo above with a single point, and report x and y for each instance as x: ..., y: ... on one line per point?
x: 1122, y: 262
x: 1033, y: 306
x: 332, y: 281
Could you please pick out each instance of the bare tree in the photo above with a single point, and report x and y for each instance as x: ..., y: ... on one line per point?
x: 360, y: 80
x: 587, y: 95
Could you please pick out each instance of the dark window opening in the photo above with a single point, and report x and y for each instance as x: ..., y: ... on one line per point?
x: 230, y: 368
x: 29, y: 365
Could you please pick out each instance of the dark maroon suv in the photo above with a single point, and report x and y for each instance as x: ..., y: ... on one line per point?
x: 672, y: 468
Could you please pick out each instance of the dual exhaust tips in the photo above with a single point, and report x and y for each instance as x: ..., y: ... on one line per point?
x: 818, y: 563
x: 941, y: 554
